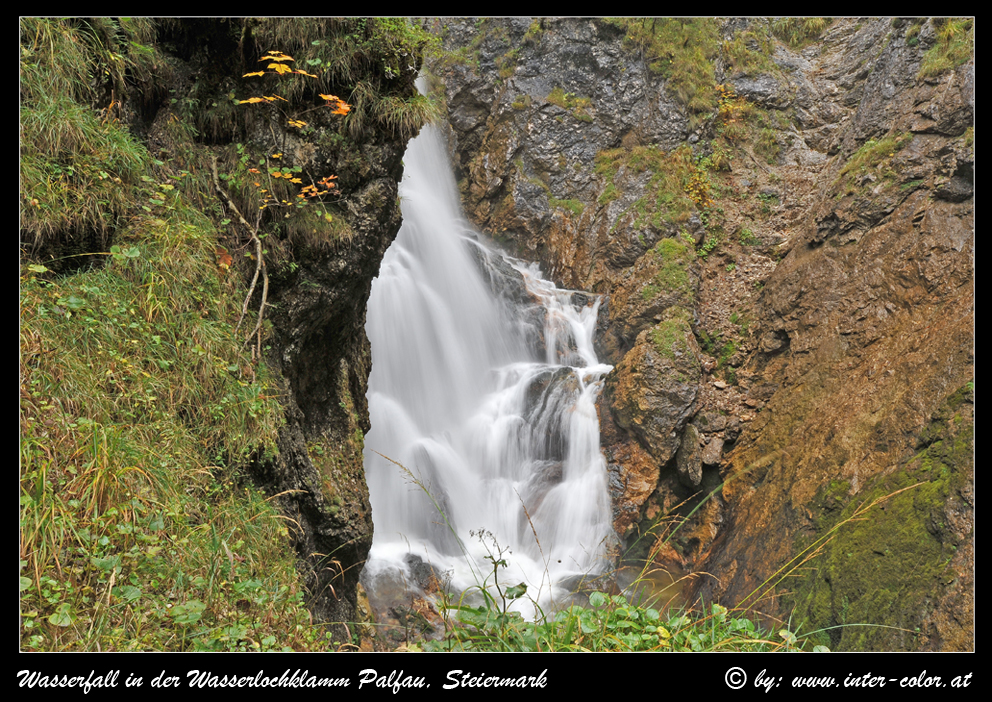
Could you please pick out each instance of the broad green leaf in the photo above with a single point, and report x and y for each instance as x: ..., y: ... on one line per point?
x: 127, y: 593
x: 106, y: 564
x: 63, y: 615
x: 188, y: 613
x: 516, y: 591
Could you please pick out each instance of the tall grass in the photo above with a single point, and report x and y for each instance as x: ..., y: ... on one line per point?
x: 632, y: 619
x: 79, y: 170
x: 138, y: 532
x: 797, y: 31
x: 139, y: 408
x: 955, y: 45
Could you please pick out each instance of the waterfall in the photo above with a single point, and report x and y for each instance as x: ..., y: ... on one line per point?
x: 482, y: 402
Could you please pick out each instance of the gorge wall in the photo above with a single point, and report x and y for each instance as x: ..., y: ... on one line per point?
x: 782, y: 219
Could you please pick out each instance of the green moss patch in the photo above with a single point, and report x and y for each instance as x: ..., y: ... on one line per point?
x: 671, y: 257
x: 886, y: 567
x: 679, y: 183
x: 671, y: 338
x: 874, y: 158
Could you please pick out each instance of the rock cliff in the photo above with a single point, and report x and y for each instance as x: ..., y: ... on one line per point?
x: 781, y: 217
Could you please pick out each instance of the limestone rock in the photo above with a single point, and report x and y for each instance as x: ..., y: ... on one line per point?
x: 654, y: 387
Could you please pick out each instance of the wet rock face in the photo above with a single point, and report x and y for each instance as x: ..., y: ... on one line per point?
x: 857, y: 285
x: 866, y: 330
x: 323, y: 356
x: 546, y: 97
x: 653, y: 389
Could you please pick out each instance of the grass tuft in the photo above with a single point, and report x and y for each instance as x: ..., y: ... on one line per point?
x: 683, y: 51
x: 798, y: 31
x: 955, y: 46
x: 873, y: 159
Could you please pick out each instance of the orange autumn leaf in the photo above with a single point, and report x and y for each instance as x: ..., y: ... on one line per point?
x: 224, y: 259
x: 339, y: 105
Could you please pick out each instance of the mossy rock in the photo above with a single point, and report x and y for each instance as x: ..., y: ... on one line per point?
x: 896, y: 546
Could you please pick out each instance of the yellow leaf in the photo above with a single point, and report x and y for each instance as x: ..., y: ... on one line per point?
x: 279, y: 68
x: 256, y: 73
x: 339, y: 105
x: 254, y: 99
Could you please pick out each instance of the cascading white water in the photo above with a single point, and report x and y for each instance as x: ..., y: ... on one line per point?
x: 481, y: 404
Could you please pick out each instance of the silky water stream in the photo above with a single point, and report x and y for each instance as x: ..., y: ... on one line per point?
x: 485, y: 440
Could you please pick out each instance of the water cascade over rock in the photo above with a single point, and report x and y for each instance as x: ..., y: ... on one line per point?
x: 484, y: 430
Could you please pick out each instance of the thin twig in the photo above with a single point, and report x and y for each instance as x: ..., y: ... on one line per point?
x: 259, y: 266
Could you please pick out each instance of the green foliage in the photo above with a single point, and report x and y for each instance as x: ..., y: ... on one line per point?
x: 750, y: 51
x: 534, y: 32
x: 507, y: 63
x: 747, y: 238
x: 767, y: 146
x: 679, y: 184
x: 137, y: 532
x: 139, y: 409
x: 912, y: 31
x: 672, y: 257
x: 671, y: 336
x: 955, y: 46
x: 573, y: 206
x: 370, y: 62
x: 610, y: 623
x: 882, y: 569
